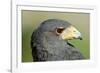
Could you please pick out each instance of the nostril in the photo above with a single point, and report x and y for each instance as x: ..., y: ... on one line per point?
x: 74, y: 31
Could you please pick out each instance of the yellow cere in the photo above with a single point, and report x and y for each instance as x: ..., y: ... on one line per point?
x: 70, y: 33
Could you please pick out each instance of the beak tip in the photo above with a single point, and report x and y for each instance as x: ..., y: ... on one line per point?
x: 80, y: 38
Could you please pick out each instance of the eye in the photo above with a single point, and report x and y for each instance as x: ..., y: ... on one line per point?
x: 59, y: 30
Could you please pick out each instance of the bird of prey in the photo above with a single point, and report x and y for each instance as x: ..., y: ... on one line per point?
x: 49, y: 42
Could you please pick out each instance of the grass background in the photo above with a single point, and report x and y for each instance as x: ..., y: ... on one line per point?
x: 32, y: 19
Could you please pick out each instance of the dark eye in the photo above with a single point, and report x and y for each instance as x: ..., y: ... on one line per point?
x: 59, y: 30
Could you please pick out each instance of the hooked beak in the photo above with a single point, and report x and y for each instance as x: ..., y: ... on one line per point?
x: 80, y: 38
x: 71, y: 33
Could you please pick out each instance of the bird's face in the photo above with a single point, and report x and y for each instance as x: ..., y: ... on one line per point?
x: 68, y: 33
x: 61, y: 28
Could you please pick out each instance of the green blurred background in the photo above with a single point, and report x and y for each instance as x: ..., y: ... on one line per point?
x: 32, y: 19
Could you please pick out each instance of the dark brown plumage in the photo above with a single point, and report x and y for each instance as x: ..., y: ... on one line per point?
x: 48, y: 44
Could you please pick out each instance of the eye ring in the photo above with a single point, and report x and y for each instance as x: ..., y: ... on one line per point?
x: 59, y: 30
